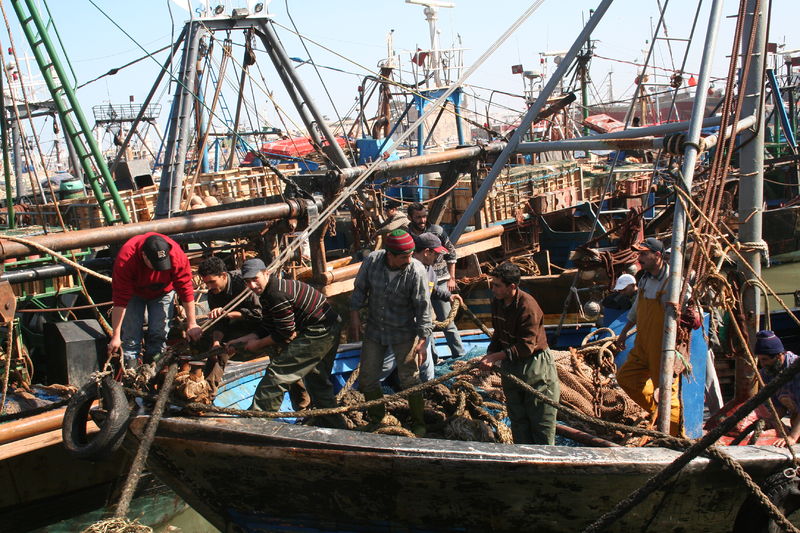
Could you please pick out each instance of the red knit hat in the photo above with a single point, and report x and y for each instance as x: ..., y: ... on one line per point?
x: 400, y: 242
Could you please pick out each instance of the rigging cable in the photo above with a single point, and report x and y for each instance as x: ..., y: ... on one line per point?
x: 347, y: 191
x: 313, y: 63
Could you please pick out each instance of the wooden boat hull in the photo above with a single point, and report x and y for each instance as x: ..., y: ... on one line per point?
x: 260, y: 475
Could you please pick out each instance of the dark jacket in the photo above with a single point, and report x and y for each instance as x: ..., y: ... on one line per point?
x: 518, y: 327
x: 250, y: 308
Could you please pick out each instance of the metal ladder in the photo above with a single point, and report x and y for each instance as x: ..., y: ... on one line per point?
x: 76, y: 129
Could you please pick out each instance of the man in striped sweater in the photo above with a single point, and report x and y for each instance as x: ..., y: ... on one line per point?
x: 298, y: 317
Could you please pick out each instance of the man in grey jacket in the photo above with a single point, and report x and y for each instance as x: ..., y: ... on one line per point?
x: 394, y: 288
x: 445, y: 268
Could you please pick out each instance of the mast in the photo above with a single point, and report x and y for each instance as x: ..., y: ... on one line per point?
x: 751, y: 189
x: 679, y: 220
x: 527, y: 120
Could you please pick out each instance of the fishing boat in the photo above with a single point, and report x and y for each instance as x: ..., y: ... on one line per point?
x: 279, y: 207
x: 254, y: 474
x: 247, y: 474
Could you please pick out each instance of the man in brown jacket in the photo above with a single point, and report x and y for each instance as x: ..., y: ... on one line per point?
x: 519, y: 344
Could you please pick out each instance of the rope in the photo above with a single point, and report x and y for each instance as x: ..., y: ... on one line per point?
x: 349, y: 383
x: 62, y: 309
x: 742, y: 260
x: 200, y: 407
x: 696, y: 449
x: 756, y: 246
x: 9, y: 349
x: 455, y: 305
x: 34, y: 411
x: 147, y: 440
x: 58, y: 256
x: 429, y: 200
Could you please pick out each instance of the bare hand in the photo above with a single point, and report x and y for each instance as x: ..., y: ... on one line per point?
x: 253, y: 345
x: 451, y: 284
x: 489, y: 360
x: 114, y: 345
x: 194, y: 332
x: 422, y: 354
x: 215, y: 313
x: 620, y: 342
x: 782, y: 443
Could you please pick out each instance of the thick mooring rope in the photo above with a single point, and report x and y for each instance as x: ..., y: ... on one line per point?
x: 702, y: 446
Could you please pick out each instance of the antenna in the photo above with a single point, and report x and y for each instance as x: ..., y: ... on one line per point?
x: 430, y: 16
x: 431, y: 3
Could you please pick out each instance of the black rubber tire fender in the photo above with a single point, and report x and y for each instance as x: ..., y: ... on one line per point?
x: 782, y: 491
x: 103, y: 443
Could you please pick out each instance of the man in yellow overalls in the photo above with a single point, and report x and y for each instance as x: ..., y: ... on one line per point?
x: 641, y: 373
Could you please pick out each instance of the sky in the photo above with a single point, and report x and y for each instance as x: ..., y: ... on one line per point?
x: 357, y: 31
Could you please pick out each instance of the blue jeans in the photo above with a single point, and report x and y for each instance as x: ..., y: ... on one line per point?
x: 159, y: 315
x: 441, y: 309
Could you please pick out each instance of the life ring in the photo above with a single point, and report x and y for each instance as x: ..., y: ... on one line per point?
x: 783, y: 489
x: 103, y: 443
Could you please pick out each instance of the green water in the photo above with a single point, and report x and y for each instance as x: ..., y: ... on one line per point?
x: 784, y: 280
x: 161, y: 509
x: 188, y: 521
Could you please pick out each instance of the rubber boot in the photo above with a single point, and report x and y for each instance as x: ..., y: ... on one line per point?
x: 416, y: 403
x: 376, y: 412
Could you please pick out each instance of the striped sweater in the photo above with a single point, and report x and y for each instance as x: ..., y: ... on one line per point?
x: 289, y: 305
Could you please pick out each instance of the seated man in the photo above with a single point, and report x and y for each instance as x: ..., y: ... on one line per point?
x: 623, y: 294
x: 773, y: 358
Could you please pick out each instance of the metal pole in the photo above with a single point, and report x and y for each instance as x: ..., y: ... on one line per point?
x: 679, y: 220
x: 147, y: 100
x: 527, y: 120
x: 16, y: 146
x: 335, y: 151
x: 6, y: 162
x: 74, y: 161
x: 239, y: 98
x: 171, y: 186
x: 296, y: 98
x: 191, y: 222
x: 751, y: 189
x: 456, y: 98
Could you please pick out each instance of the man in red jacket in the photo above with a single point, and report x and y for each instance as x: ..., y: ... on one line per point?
x: 148, y: 271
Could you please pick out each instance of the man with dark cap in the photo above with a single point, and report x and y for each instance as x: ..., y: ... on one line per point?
x: 394, y: 288
x: 773, y: 358
x: 299, y: 317
x: 640, y: 375
x: 519, y: 344
x: 223, y: 287
x: 148, y: 271
x: 445, y: 267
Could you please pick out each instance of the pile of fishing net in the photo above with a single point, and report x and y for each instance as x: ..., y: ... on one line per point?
x: 588, y: 385
x: 458, y: 412
x: 472, y: 407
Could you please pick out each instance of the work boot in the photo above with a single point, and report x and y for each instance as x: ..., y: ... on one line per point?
x: 416, y: 403
x: 376, y: 412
